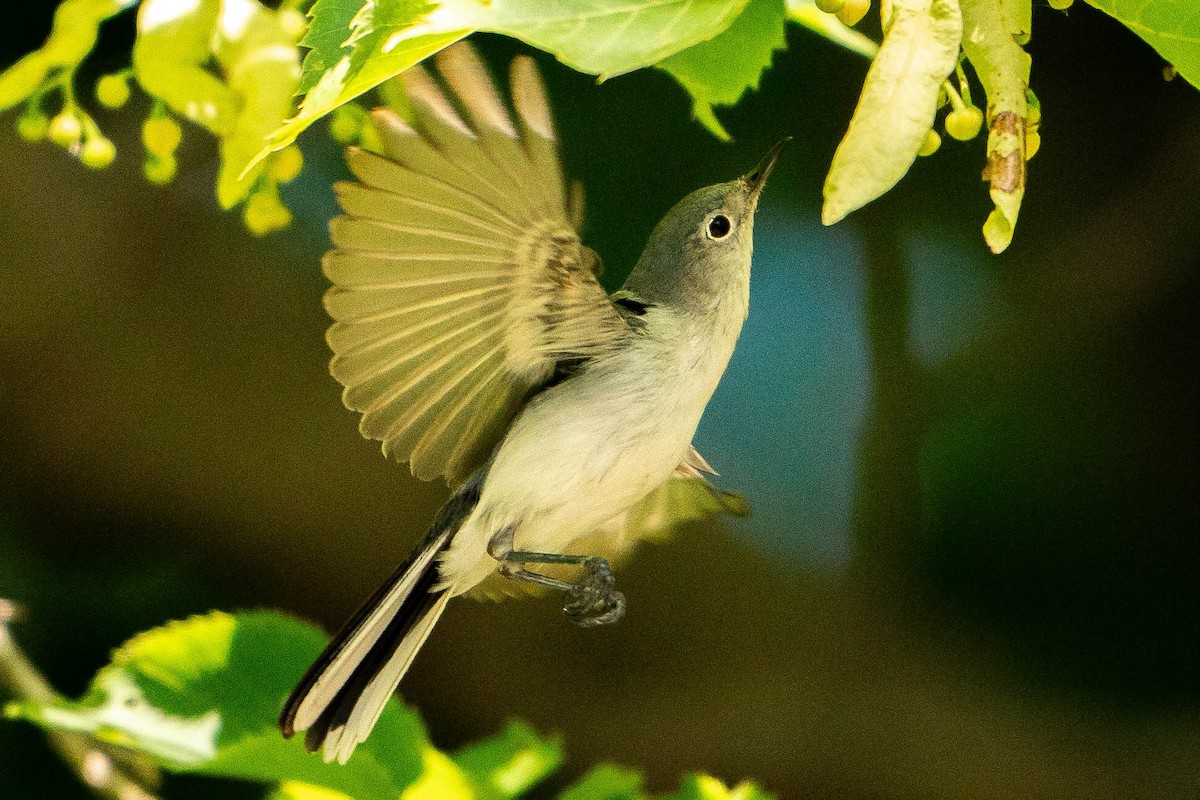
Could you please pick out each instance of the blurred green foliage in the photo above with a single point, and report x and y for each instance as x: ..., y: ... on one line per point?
x: 200, y: 696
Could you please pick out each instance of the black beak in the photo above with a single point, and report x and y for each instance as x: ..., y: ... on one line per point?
x: 758, y: 177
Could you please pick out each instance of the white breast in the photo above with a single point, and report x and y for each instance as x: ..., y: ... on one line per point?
x: 588, y: 449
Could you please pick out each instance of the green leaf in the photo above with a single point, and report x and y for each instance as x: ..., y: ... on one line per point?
x: 262, y: 67
x: 328, y: 30
x: 706, y: 787
x: 202, y: 696
x: 295, y: 790
x: 1003, y: 69
x: 719, y: 71
x: 72, y: 37
x: 605, y: 782
x: 897, y: 106
x: 385, y: 37
x: 23, y: 78
x: 1172, y: 27
x: 607, y: 37
x: 441, y: 780
x: 507, y: 764
x: 169, y: 57
x: 76, y: 24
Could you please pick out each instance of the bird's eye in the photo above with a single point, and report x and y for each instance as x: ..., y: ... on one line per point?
x: 719, y: 227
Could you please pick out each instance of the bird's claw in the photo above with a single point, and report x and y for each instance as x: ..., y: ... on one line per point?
x: 592, y: 600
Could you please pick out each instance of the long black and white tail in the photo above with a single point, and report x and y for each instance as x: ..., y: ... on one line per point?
x: 340, y: 698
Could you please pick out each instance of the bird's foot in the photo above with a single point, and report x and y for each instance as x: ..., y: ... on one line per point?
x: 592, y: 600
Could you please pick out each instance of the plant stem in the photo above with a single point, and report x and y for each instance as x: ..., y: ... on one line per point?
x: 95, y: 768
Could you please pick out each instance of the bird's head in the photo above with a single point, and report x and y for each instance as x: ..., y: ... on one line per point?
x: 699, y: 254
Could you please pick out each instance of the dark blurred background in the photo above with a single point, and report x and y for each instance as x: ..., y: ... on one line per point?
x: 973, y: 571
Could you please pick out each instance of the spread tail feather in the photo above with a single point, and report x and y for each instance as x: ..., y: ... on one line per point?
x: 340, y: 698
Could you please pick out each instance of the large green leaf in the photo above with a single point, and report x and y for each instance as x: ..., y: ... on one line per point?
x: 202, y: 696
x: 718, y: 72
x: 328, y: 31
x: 897, y: 106
x: 1172, y: 27
x: 382, y: 38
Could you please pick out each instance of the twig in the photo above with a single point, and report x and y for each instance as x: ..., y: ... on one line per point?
x: 95, y: 768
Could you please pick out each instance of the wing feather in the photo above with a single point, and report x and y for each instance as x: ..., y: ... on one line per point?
x: 455, y: 192
x: 384, y: 377
x: 358, y: 200
x: 444, y: 130
x: 358, y: 338
x: 498, y: 136
x: 536, y: 124
x: 459, y: 277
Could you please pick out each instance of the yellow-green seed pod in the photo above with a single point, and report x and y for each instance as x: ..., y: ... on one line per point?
x: 32, y: 126
x: 161, y: 135
x: 97, y: 152
x: 160, y: 169
x: 346, y: 123
x: 112, y: 91
x: 287, y: 164
x: 930, y: 144
x: 1033, y: 143
x: 964, y: 123
x: 264, y: 213
x: 853, y: 11
x: 65, y: 129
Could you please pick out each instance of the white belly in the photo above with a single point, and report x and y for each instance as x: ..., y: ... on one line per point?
x: 588, y: 449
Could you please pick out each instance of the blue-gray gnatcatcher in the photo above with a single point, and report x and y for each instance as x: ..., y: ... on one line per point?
x: 473, y: 336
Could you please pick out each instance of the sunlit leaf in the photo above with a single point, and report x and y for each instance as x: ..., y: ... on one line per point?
x: 706, y: 787
x: 897, y: 106
x: 295, y: 790
x: 1003, y: 69
x: 202, y: 696
x: 1019, y: 14
x: 262, y: 67
x: 509, y: 763
x: 328, y: 30
x: 72, y: 36
x: 385, y: 37
x: 605, y: 782
x: 441, y: 780
x: 173, y: 46
x: 1172, y: 27
x: 718, y: 72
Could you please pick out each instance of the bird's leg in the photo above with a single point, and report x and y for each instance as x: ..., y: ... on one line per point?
x: 591, y: 598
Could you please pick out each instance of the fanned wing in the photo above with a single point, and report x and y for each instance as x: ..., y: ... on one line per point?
x: 459, y: 278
